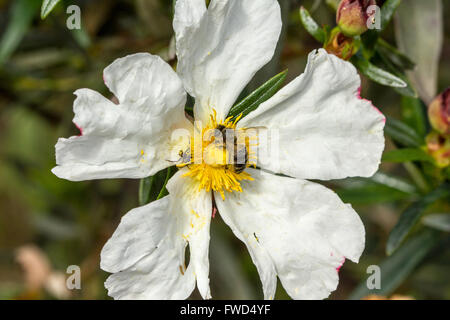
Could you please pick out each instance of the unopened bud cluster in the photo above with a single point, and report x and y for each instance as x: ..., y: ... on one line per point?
x: 352, y: 20
x: 438, y: 141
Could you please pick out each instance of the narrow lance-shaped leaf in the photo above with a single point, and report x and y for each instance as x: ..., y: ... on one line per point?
x: 394, y: 55
x: 396, y: 268
x: 384, y: 62
x: 151, y: 188
x: 394, y: 182
x: 438, y: 221
x: 380, y: 187
x: 414, y: 115
x: 47, y: 7
x: 407, y: 154
x: 387, y: 12
x: 254, y: 99
x: 163, y: 192
x: 20, y: 19
x: 402, y: 133
x: 376, y: 74
x: 311, y: 26
x: 370, y: 194
x: 412, y: 215
x: 145, y: 187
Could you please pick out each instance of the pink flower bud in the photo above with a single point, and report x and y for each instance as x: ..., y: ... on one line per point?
x: 439, y: 112
x: 351, y: 16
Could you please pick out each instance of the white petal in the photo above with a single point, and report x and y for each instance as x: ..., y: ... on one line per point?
x: 296, y: 229
x: 130, y: 140
x: 318, y: 126
x: 220, y: 50
x: 150, y: 255
x: 197, y: 207
x: 143, y: 75
x: 147, y: 251
x: 139, y: 234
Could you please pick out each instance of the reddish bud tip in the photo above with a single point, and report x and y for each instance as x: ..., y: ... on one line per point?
x: 439, y: 112
x: 352, y: 17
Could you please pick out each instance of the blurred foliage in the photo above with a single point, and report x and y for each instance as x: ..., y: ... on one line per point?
x: 404, y: 206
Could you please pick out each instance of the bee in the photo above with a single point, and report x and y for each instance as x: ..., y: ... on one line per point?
x: 240, y: 154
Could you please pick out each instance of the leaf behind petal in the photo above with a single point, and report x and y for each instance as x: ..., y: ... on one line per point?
x: 396, y: 268
x: 402, y: 133
x: 411, y: 216
x: 254, y: 99
x: 377, y: 74
x: 406, y: 155
x: 47, y: 7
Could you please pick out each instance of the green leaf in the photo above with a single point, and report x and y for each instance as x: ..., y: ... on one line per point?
x: 370, y: 38
x: 376, y: 74
x: 311, y: 26
x: 407, y: 91
x: 163, y: 192
x: 145, y: 187
x: 20, y: 19
x: 81, y: 37
x: 47, y: 7
x: 254, y: 99
x: 394, y: 182
x: 387, y: 12
x: 414, y: 114
x: 154, y: 187
x: 396, y: 268
x: 370, y: 194
x: 383, y: 62
x: 407, y: 154
x: 402, y: 133
x: 438, y: 221
x: 394, y: 55
x: 411, y: 216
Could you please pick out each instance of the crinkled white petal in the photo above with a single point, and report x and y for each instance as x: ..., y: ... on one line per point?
x: 143, y: 75
x: 147, y: 255
x: 296, y: 229
x: 317, y: 126
x: 220, y: 49
x: 147, y: 251
x: 132, y: 139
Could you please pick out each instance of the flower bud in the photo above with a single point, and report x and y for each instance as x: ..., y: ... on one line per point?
x: 351, y: 16
x: 438, y: 146
x: 340, y: 45
x: 439, y: 112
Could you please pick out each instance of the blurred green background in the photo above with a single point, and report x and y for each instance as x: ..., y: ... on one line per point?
x: 47, y: 224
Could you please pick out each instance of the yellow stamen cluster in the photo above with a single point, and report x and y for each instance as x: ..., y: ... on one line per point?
x: 215, y: 172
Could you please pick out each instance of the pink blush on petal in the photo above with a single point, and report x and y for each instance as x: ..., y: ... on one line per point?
x: 358, y: 95
x: 340, y: 266
x: 79, y: 128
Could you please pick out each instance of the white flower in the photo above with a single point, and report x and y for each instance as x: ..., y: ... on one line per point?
x: 297, y: 230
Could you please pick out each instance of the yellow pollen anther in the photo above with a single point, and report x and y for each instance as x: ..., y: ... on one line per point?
x: 216, y: 170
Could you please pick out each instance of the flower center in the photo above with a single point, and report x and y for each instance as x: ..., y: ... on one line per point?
x: 218, y: 155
